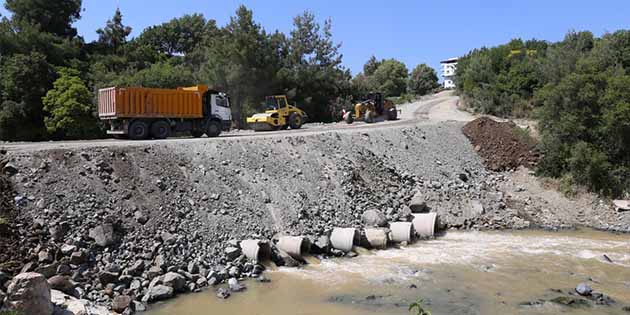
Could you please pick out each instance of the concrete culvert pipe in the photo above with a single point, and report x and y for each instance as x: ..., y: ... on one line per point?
x: 401, y: 232
x: 343, y: 238
x: 425, y: 224
x: 256, y: 250
x: 295, y: 246
x: 377, y: 238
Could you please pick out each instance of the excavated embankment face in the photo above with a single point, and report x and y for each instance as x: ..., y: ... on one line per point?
x: 167, y: 205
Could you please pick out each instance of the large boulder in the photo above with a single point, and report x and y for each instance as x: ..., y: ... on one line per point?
x: 103, y: 235
x: 374, y: 218
x: 175, y: 281
x: 29, y: 293
x: 158, y: 293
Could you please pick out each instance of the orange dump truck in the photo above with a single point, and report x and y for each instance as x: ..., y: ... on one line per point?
x: 142, y: 113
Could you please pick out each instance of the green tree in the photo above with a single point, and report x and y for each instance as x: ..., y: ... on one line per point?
x: 114, y: 34
x: 237, y: 62
x: 69, y: 107
x: 313, y: 67
x: 423, y: 80
x: 371, y: 65
x: 50, y: 16
x: 391, y: 77
x: 24, y: 81
x: 180, y: 35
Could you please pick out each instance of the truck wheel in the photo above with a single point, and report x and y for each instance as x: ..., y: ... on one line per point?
x: 160, y: 129
x: 138, y: 130
x: 392, y: 114
x: 349, y: 118
x: 295, y: 121
x: 213, y: 129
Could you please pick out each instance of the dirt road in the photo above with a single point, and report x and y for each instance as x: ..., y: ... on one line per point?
x: 429, y: 110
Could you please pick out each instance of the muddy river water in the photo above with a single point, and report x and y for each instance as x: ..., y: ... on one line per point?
x: 457, y: 273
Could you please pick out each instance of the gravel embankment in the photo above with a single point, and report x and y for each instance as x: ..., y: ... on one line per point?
x: 112, y: 220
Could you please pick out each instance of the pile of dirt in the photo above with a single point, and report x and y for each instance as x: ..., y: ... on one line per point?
x: 500, y: 144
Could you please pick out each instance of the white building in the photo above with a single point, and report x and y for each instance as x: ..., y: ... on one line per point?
x: 449, y: 66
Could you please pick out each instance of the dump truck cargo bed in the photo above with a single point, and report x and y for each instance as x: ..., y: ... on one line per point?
x: 117, y: 102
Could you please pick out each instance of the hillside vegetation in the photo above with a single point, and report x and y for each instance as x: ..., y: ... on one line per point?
x: 50, y: 75
x: 579, y: 91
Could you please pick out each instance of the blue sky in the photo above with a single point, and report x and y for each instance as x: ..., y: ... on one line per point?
x: 413, y: 31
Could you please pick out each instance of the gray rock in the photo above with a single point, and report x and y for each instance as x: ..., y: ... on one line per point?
x: 135, y: 285
x: 68, y: 305
x: 136, y: 269
x: 154, y: 272
x: 62, y: 283
x: 107, y: 277
x: 418, y: 204
x: 121, y: 303
x: 232, y: 253
x: 103, y: 235
x: 67, y: 249
x: 45, y: 257
x: 175, y: 281
x: 64, y: 270
x: 168, y: 238
x: 10, y: 169
x: 140, y: 217
x: 235, y: 286
x: 374, y: 217
x: 158, y: 293
x: 78, y: 257
x: 223, y: 293
x: 29, y: 293
x: 193, y: 267
x: 321, y: 245
x: 139, y: 307
x: 583, y: 289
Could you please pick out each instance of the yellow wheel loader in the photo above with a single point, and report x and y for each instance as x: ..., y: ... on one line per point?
x: 373, y: 108
x: 279, y: 115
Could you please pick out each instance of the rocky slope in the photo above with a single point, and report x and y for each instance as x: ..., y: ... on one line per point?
x: 110, y: 221
x: 123, y: 226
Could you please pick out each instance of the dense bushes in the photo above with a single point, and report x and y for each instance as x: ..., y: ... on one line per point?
x: 578, y: 89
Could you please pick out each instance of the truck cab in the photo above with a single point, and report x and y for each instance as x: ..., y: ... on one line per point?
x: 217, y: 105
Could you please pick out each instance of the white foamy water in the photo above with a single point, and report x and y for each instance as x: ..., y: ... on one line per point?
x: 476, y: 250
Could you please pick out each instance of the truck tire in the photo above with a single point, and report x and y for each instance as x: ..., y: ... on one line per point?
x: 349, y: 118
x: 392, y: 114
x: 213, y: 129
x: 160, y: 129
x: 295, y: 121
x: 138, y: 130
